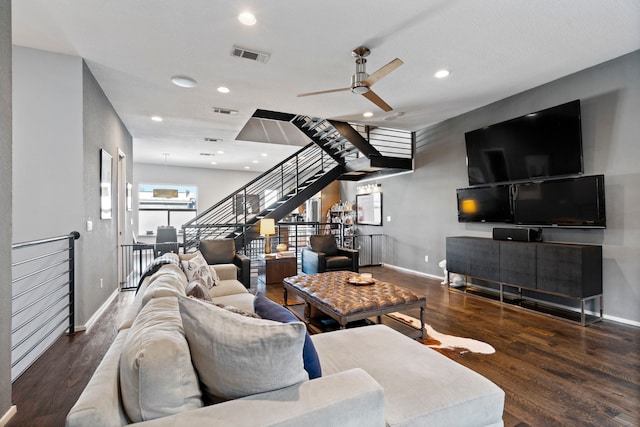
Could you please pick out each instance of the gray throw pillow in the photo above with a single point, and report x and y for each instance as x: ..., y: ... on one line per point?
x: 238, y: 356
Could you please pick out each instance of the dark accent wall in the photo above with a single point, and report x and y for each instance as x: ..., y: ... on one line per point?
x: 422, y: 205
x: 5, y: 205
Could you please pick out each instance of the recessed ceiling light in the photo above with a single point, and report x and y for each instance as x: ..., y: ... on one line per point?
x: 264, y: 154
x: 220, y: 152
x: 223, y: 89
x: 184, y: 81
x: 255, y: 161
x: 214, y: 163
x: 441, y: 74
x: 246, y: 167
x: 368, y: 114
x: 156, y: 118
x: 247, y: 18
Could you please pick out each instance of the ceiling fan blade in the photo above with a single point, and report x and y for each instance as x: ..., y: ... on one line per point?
x: 371, y: 96
x: 383, y: 71
x: 324, y: 91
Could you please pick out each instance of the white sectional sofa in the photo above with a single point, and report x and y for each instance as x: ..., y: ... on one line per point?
x: 371, y: 376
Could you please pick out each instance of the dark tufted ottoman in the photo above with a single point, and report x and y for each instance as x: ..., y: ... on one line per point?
x: 332, y: 294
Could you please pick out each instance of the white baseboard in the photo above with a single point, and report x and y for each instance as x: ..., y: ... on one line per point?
x: 418, y: 273
x: 8, y: 415
x: 605, y: 316
x: 97, y: 314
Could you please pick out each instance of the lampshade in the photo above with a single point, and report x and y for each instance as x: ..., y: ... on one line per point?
x: 267, y: 226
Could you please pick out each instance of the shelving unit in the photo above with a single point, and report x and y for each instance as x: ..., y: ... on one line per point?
x: 344, y: 215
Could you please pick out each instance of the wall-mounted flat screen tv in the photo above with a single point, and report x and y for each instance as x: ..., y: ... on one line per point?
x: 539, y: 145
x: 484, y: 204
x: 574, y: 202
x: 369, y: 208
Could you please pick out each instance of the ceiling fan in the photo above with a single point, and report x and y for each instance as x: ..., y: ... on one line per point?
x: 361, y: 82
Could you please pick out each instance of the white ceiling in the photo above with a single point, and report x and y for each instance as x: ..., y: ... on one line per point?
x: 494, y: 49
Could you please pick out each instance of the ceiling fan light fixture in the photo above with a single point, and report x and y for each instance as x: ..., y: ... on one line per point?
x: 360, y: 89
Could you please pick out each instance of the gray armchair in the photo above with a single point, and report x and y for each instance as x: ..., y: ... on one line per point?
x: 323, y: 254
x: 223, y: 251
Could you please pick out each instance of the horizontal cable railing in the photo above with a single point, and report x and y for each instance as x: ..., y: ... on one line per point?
x: 42, y: 297
x: 389, y: 142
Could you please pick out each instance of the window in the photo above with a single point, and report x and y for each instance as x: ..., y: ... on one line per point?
x: 161, y: 205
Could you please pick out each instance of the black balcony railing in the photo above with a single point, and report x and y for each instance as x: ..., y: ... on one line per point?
x: 43, y: 289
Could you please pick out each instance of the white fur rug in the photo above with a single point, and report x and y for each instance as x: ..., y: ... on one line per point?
x: 442, y: 341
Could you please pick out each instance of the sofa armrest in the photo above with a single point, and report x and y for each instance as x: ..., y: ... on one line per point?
x: 99, y: 403
x: 348, y: 399
x: 312, y: 261
x: 354, y: 254
x: 243, y: 263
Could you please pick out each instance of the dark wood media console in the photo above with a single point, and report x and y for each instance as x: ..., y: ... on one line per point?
x: 566, y: 270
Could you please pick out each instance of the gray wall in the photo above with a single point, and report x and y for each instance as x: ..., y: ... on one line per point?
x: 422, y: 205
x: 61, y: 119
x: 102, y: 129
x: 5, y: 206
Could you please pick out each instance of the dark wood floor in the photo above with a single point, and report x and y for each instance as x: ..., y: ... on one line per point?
x: 554, y: 373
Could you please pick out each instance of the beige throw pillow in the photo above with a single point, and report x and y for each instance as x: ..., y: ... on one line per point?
x: 238, y: 356
x: 156, y: 375
x: 197, y: 268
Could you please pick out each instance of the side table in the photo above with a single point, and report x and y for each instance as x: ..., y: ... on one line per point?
x: 273, y: 270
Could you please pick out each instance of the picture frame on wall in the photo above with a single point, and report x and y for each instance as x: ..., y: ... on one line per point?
x: 106, y: 164
x: 129, y: 196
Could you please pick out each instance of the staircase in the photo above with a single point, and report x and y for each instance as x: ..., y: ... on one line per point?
x: 338, y: 151
x: 274, y: 194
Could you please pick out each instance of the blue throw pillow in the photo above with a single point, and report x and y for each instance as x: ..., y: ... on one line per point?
x: 271, y: 310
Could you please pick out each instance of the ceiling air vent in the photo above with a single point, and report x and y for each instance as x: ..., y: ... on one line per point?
x: 207, y: 154
x: 224, y: 111
x: 206, y: 139
x: 253, y: 55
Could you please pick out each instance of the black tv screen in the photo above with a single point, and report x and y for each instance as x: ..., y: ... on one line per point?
x: 539, y: 145
x: 575, y: 202
x: 484, y: 204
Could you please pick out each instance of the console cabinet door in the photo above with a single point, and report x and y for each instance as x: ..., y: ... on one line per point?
x: 518, y: 264
x: 474, y: 257
x: 456, y: 255
x: 573, y: 270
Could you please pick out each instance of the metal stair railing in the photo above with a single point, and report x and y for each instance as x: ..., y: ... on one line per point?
x: 237, y: 215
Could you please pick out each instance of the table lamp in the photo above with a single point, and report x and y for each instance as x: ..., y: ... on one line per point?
x: 267, y: 227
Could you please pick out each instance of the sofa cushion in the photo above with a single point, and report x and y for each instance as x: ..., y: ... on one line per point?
x: 156, y: 375
x: 198, y: 290
x: 339, y: 262
x: 325, y: 243
x: 228, y: 287
x: 218, y: 251
x: 271, y: 310
x: 226, y: 271
x: 242, y: 301
x: 168, y: 281
x: 197, y: 268
x: 237, y: 356
x: 429, y: 389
